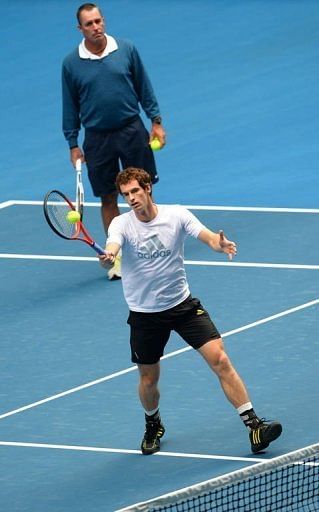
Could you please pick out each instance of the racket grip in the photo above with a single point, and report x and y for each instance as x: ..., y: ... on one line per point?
x: 78, y: 165
x: 97, y: 248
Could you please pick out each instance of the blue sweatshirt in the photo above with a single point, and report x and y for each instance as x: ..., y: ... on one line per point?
x: 104, y: 94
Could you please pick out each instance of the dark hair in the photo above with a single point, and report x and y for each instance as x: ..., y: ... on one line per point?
x: 86, y: 7
x: 133, y: 173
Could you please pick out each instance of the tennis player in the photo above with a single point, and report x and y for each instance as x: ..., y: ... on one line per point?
x: 156, y: 290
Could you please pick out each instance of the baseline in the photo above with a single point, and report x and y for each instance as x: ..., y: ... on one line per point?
x: 129, y: 452
x: 14, y: 202
x: 287, y: 266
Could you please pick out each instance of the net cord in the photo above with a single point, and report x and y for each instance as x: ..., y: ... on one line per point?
x: 229, y: 478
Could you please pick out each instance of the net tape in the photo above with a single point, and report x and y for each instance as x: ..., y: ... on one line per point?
x: 287, y: 483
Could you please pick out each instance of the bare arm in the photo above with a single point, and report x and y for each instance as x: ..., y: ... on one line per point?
x: 108, y: 258
x: 218, y: 242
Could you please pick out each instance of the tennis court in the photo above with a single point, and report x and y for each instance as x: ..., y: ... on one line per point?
x: 244, y: 128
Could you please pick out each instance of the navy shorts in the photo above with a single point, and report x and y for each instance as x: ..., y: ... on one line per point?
x: 150, y: 332
x: 109, y: 150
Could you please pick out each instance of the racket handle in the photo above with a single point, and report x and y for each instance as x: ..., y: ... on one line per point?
x: 97, y: 248
x: 78, y: 165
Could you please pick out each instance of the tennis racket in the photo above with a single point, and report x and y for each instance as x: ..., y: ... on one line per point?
x: 79, y: 191
x: 56, y: 206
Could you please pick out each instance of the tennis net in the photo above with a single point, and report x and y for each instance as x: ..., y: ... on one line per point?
x: 289, y: 483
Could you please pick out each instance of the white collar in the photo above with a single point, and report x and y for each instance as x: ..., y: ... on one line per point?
x: 111, y: 46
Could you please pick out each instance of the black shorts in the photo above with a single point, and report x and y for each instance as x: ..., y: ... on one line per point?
x: 150, y: 332
x: 105, y: 150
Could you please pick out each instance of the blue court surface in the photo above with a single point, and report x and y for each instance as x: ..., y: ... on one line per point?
x: 237, y: 83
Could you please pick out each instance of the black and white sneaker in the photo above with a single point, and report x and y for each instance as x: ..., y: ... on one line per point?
x: 154, y: 430
x: 263, y: 434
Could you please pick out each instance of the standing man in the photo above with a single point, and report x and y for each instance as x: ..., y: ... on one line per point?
x: 157, y: 293
x: 104, y: 83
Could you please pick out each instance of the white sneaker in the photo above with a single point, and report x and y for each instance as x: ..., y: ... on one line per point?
x: 115, y: 271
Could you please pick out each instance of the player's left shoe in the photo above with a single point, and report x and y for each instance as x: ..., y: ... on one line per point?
x: 154, y: 430
x: 263, y: 434
x: 115, y: 271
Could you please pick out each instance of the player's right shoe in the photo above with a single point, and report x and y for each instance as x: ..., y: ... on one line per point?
x: 263, y: 434
x: 115, y: 271
x: 154, y: 430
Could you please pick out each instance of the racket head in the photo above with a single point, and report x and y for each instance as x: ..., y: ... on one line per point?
x: 56, y: 206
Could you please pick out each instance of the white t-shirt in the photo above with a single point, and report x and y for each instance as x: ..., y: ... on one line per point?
x: 153, y: 274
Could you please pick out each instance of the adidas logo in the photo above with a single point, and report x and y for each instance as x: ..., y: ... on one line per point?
x: 153, y: 248
x: 256, y: 436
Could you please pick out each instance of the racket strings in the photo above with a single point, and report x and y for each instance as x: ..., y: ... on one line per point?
x: 57, y: 209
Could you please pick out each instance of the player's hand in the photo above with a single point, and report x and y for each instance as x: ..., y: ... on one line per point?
x: 106, y: 259
x: 158, y: 132
x: 227, y: 246
x: 76, y: 154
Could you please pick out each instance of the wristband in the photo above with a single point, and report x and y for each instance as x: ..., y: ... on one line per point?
x: 157, y: 120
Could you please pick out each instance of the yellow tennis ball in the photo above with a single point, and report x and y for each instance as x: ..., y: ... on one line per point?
x: 155, y: 144
x: 73, y: 216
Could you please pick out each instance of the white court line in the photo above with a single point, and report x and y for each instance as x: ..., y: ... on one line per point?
x: 69, y: 392
x: 194, y: 207
x: 252, y: 264
x: 47, y: 257
x: 6, y: 204
x: 253, y: 324
x: 133, y: 452
x: 289, y: 266
x: 171, y: 354
x: 251, y: 209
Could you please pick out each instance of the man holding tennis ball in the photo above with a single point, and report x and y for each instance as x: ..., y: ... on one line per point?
x: 156, y: 290
x: 104, y: 84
